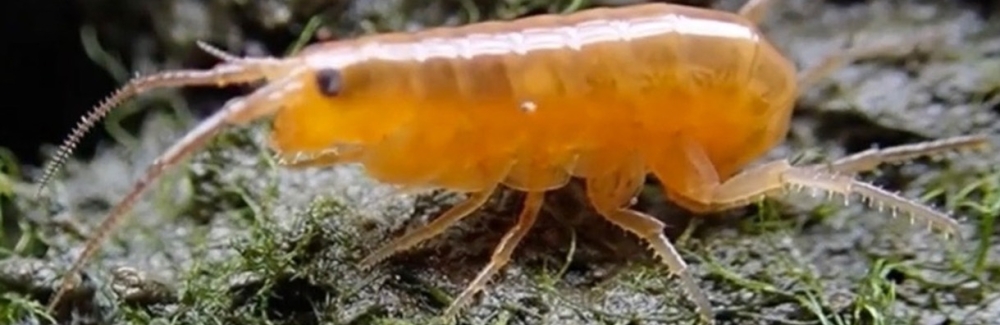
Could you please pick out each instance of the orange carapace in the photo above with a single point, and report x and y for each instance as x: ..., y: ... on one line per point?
x: 608, y: 95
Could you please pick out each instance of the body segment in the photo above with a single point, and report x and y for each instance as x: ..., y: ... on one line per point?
x: 689, y: 95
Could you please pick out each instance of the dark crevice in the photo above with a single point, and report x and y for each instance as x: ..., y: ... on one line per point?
x: 290, y: 300
x: 896, y: 276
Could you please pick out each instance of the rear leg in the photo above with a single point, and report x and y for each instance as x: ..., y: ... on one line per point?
x: 870, y: 159
x: 501, y: 254
x: 773, y: 178
x: 610, y: 196
x: 436, y: 227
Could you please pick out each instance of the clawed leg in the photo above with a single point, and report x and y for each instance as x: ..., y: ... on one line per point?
x: 755, y: 10
x: 691, y: 179
x: 502, y: 252
x: 436, y: 227
x: 775, y: 177
x: 610, y: 195
x: 870, y: 159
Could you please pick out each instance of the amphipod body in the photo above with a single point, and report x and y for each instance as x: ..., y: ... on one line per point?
x: 529, y: 104
x: 608, y: 95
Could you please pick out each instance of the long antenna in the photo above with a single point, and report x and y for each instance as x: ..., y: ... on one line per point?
x: 233, y: 71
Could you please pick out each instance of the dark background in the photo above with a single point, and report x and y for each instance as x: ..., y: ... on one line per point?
x: 47, y: 80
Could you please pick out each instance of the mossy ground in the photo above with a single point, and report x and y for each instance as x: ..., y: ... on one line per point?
x: 230, y: 237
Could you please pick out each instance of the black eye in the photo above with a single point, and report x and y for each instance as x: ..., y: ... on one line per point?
x: 330, y: 81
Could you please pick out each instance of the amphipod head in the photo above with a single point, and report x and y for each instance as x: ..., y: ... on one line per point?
x: 351, y: 96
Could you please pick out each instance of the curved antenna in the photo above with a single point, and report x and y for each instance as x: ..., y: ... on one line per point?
x: 218, y: 53
x: 259, y: 103
x: 234, y: 70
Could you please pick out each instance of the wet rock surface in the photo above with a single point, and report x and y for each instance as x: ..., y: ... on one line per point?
x: 232, y: 238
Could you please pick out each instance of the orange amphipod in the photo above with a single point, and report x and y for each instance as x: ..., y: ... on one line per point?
x: 607, y: 95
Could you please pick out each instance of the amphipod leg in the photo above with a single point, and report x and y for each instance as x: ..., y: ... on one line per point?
x: 755, y: 10
x: 870, y: 159
x: 436, y: 227
x: 501, y: 254
x: 610, y: 196
x: 771, y: 179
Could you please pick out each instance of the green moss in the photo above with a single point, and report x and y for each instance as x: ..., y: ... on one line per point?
x: 15, y: 308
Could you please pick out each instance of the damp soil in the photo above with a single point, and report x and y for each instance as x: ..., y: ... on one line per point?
x: 232, y: 238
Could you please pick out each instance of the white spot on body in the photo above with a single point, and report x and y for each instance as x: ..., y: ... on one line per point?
x: 528, y: 106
